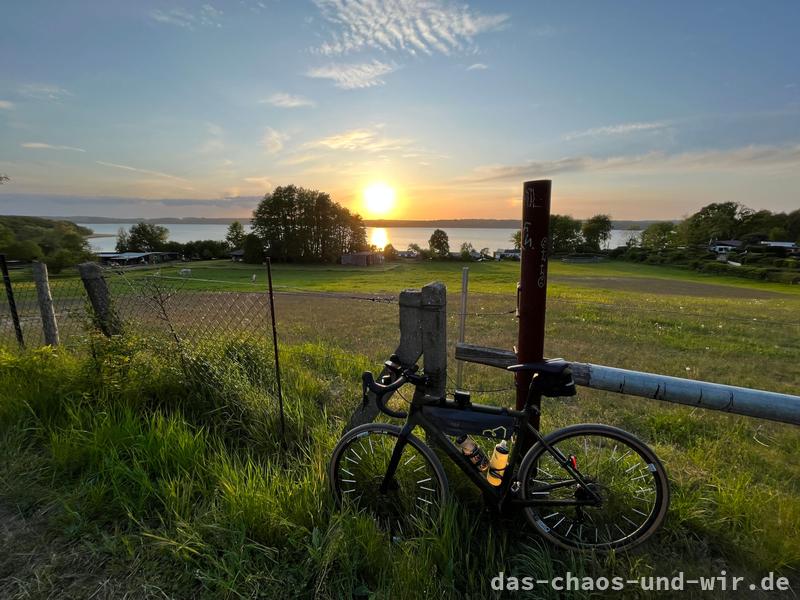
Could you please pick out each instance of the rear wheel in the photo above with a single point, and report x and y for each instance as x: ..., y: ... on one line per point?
x: 357, y: 468
x: 626, y: 475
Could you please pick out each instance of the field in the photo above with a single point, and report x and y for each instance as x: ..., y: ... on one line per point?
x: 124, y: 471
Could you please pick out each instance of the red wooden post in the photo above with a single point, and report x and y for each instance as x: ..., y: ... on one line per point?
x: 532, y: 290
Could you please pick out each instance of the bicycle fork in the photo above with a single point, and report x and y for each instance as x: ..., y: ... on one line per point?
x: 394, y: 462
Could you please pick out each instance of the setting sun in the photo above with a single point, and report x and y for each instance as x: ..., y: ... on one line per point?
x: 379, y: 199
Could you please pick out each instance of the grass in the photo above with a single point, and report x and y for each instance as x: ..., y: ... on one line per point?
x: 169, y: 478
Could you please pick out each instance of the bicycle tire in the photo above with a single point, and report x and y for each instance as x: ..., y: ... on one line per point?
x: 557, y: 526
x: 419, y: 491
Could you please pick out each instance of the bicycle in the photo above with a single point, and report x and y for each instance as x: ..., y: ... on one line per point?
x: 583, y: 487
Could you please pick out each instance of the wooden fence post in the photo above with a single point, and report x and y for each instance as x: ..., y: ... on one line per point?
x: 100, y: 298
x: 49, y: 323
x: 433, y: 317
x: 409, y: 350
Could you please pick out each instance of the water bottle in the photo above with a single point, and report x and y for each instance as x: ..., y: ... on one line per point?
x: 498, y: 463
x: 473, y: 452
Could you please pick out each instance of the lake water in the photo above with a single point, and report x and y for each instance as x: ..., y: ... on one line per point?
x: 399, y: 237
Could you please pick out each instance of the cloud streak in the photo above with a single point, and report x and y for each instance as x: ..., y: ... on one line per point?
x: 283, y: 100
x: 43, y: 91
x: 206, y: 16
x: 366, y: 139
x: 410, y: 26
x: 353, y: 76
x: 620, y: 129
x: 6, y: 105
x: 748, y: 157
x: 477, y: 67
x: 143, y: 171
x: 43, y: 146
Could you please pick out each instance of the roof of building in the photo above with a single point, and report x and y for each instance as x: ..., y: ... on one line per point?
x: 725, y: 243
x: 237, y: 252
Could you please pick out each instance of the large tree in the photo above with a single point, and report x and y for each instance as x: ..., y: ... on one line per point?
x: 596, y: 231
x: 235, y: 235
x: 142, y: 237
x: 297, y: 224
x: 439, y: 243
x: 659, y: 236
x: 717, y: 221
x: 565, y: 233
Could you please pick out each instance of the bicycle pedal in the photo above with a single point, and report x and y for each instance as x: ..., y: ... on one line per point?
x: 515, y: 487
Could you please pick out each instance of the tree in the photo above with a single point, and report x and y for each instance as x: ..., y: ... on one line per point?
x: 660, y: 236
x: 123, y: 241
x: 294, y: 223
x: 146, y: 237
x: 253, y: 249
x: 516, y: 239
x: 389, y: 253
x: 439, y: 243
x: 717, y: 221
x: 485, y: 252
x: 596, y: 231
x: 466, y: 251
x: 235, y: 235
x: 565, y: 234
x: 25, y: 250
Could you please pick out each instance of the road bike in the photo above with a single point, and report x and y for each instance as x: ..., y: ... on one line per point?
x: 583, y: 487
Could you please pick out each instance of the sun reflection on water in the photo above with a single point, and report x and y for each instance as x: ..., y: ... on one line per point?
x: 378, y: 237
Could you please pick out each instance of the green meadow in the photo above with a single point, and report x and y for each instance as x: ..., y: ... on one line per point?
x: 133, y: 466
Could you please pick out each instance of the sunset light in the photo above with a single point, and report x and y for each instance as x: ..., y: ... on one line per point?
x: 379, y: 199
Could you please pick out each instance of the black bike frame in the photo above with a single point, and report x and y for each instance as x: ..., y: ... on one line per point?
x: 498, y: 496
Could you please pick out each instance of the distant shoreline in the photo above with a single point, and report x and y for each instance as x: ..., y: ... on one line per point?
x: 442, y: 223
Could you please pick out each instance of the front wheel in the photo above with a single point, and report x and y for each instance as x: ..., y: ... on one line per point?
x: 357, y: 468
x: 619, y: 469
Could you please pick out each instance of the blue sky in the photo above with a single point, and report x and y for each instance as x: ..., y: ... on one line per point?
x: 637, y: 109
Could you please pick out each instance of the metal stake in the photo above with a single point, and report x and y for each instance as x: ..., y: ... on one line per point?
x: 12, y: 305
x: 275, y: 346
x: 462, y: 321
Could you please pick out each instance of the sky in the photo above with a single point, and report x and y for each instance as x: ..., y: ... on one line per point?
x: 640, y: 110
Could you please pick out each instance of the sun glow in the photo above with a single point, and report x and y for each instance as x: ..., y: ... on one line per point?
x: 379, y: 199
x: 378, y: 237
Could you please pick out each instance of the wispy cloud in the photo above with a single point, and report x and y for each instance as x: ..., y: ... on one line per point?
x: 367, y: 140
x: 205, y: 16
x: 214, y: 142
x: 263, y: 182
x: 747, y: 157
x: 6, y: 105
x: 477, y: 67
x: 273, y: 140
x: 143, y: 171
x: 412, y: 26
x: 620, y: 129
x: 43, y: 146
x: 43, y: 91
x: 353, y: 75
x: 283, y: 100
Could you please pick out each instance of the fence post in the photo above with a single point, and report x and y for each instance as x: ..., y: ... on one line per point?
x: 462, y: 322
x: 409, y: 350
x: 45, y: 298
x: 12, y: 305
x: 532, y: 291
x: 433, y: 313
x: 100, y: 298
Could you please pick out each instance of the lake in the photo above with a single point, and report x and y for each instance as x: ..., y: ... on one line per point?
x: 399, y: 237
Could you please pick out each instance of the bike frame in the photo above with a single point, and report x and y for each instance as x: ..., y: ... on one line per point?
x: 498, y: 496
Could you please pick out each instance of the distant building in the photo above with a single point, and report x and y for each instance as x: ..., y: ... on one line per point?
x: 407, y: 254
x: 125, y: 259
x: 789, y: 245
x: 362, y: 259
x: 237, y: 255
x: 724, y: 246
x: 507, y: 254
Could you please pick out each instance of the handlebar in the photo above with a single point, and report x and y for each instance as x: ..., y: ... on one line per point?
x: 381, y: 390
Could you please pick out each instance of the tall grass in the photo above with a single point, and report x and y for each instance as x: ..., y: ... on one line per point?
x: 178, y: 464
